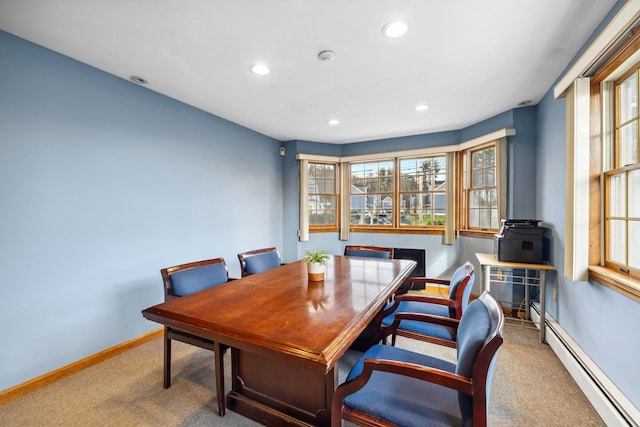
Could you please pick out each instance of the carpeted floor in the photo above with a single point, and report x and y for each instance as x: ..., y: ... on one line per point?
x: 530, y: 388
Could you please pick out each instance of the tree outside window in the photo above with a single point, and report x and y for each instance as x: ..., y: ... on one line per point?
x: 371, y: 194
x: 423, y: 192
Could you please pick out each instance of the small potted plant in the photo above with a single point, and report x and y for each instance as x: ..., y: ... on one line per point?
x: 315, y: 264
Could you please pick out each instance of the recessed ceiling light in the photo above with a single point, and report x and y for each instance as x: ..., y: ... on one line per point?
x: 395, y: 29
x: 260, y: 69
x: 421, y: 107
x: 334, y: 122
x: 139, y: 80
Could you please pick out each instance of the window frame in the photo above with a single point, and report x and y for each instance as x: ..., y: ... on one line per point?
x: 452, y: 156
x: 464, y: 227
x: 335, y: 195
x: 613, y: 67
x: 431, y: 194
x: 373, y: 211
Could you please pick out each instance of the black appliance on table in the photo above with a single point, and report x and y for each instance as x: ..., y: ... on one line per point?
x: 522, y: 240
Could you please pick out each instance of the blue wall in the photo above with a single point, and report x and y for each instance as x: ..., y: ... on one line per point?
x: 440, y: 259
x: 603, y: 322
x: 103, y: 183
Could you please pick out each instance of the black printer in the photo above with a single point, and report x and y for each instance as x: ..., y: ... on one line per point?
x: 522, y: 240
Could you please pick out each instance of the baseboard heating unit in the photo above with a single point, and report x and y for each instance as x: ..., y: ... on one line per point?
x: 612, y: 406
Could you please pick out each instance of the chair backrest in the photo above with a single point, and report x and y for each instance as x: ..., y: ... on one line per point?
x: 369, y: 251
x: 479, y: 339
x: 185, y: 279
x: 258, y: 260
x: 460, y: 287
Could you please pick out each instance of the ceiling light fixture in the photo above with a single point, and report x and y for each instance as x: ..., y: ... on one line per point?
x: 260, y: 69
x: 421, y: 107
x: 395, y: 29
x: 139, y: 80
x: 334, y: 122
x: 525, y: 103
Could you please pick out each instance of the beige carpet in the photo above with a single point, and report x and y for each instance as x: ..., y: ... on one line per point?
x: 530, y: 388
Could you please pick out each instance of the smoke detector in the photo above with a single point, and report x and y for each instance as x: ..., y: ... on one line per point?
x: 326, y: 55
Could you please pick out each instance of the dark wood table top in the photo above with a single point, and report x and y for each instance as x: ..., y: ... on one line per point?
x: 279, y: 313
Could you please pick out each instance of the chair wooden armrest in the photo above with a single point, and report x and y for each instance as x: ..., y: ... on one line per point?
x: 430, y: 280
x: 427, y: 318
x: 424, y: 373
x: 426, y: 299
x: 384, y: 332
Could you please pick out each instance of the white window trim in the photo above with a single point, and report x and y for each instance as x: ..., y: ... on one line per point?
x: 576, y: 256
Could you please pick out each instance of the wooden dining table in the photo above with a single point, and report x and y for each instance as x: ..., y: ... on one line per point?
x: 287, y: 333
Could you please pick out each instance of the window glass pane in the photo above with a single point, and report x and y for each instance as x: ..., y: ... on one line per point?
x: 617, y: 241
x: 494, y: 218
x: 474, y: 197
x: 634, y: 250
x: 371, y: 196
x: 422, y: 187
x: 617, y: 195
x: 477, y: 179
x: 485, y: 201
x: 629, y: 98
x: 492, y: 196
x: 629, y: 144
x: 485, y: 218
x: 634, y: 193
x: 474, y: 218
x: 489, y: 177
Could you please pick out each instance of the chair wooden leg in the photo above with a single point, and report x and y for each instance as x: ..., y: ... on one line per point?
x: 167, y: 360
x: 219, y: 369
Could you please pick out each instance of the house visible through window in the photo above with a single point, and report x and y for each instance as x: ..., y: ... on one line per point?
x: 423, y: 192
x: 372, y: 195
x: 434, y: 190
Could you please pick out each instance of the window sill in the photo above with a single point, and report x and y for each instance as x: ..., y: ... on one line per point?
x: 478, y: 233
x: 323, y: 230
x: 390, y: 230
x: 628, y: 286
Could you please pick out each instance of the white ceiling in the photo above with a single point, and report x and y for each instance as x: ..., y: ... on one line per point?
x: 468, y: 59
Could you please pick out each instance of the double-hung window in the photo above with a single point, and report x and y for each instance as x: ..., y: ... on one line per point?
x: 434, y: 190
x: 483, y: 188
x: 423, y: 191
x: 322, y: 198
x: 480, y: 189
x: 603, y: 124
x: 622, y: 182
x: 372, y: 194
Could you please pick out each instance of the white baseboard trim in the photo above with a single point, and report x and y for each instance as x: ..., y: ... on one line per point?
x: 612, y: 406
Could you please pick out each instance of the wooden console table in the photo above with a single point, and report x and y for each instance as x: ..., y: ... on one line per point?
x: 490, y: 261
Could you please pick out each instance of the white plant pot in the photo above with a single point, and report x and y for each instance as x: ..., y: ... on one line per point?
x: 316, y: 271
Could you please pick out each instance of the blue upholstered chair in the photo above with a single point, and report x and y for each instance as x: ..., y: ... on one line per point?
x: 186, y: 279
x: 393, y: 386
x: 258, y: 260
x: 410, y: 310
x: 368, y: 251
